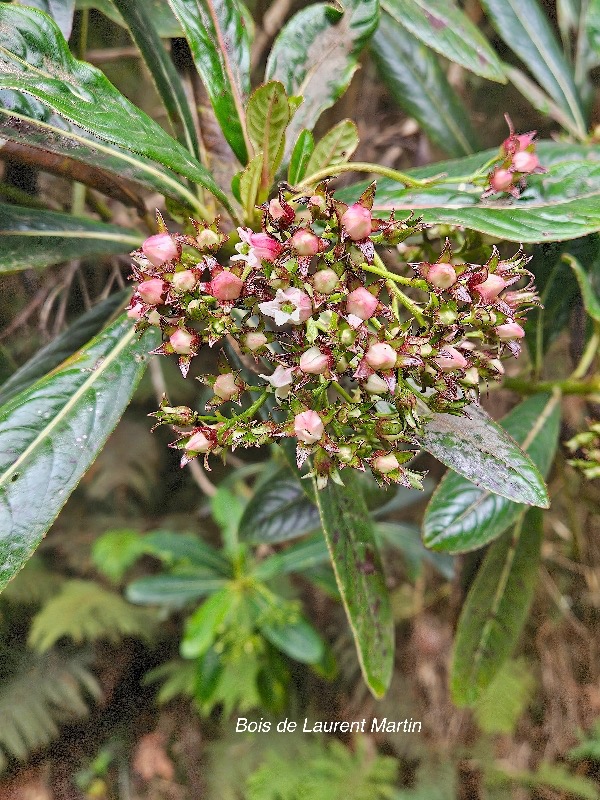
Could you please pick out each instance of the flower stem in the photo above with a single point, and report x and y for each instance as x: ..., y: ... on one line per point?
x: 360, y: 166
x: 342, y: 392
x: 567, y: 386
x: 390, y: 277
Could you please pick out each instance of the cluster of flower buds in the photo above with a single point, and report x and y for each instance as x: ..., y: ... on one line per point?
x: 588, y: 444
x: 518, y: 159
x: 323, y: 343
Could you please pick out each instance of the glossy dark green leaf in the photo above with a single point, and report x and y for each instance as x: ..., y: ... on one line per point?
x: 166, y: 79
x: 185, y: 549
x: 303, y: 149
x: 496, y: 609
x: 316, y: 55
x: 525, y: 28
x: 336, y: 147
x: 202, y: 627
x: 420, y: 87
x: 461, y: 516
x: 158, y: 10
x: 589, y: 295
x: 61, y: 12
x: 173, y: 590
x: 31, y: 238
x: 35, y: 59
x: 267, y: 116
x: 279, y: 510
x: 476, y: 447
x: 441, y: 25
x: 559, y: 205
x: 217, y: 36
x: 54, y: 353
x: 359, y: 574
x: 51, y: 433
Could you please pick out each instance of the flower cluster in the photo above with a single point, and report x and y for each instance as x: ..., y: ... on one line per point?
x: 325, y: 344
x: 518, y: 159
x: 588, y: 444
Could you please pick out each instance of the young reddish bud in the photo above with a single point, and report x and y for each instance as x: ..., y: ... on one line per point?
x: 510, y: 330
x: 264, y: 246
x: 442, y: 276
x: 318, y: 201
x: 308, y: 427
x: 207, y: 239
x: 184, y: 281
x: 449, y: 359
x: 153, y: 291
x: 225, y: 386
x: 361, y: 303
x: 314, y: 362
x: 255, y: 340
x: 376, y: 385
x: 159, y: 249
x: 181, y: 342
x: 357, y: 222
x: 198, y: 443
x: 226, y: 286
x: 136, y: 311
x: 385, y: 464
x: 490, y: 288
x: 276, y: 209
x: 305, y: 243
x: 381, y: 356
x: 525, y: 161
x: 325, y: 281
x: 501, y: 180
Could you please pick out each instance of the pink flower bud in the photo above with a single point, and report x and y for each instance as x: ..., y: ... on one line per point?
x: 449, y: 359
x: 385, y: 464
x: 314, y: 362
x: 276, y: 209
x: 160, y: 248
x: 501, y: 180
x: 136, y: 311
x: 264, y: 246
x: 376, y: 385
x: 184, y: 281
x: 308, y: 427
x: 381, y: 356
x: 357, y: 222
x: 305, y: 243
x: 318, y: 201
x: 361, y: 303
x: 442, y: 276
x: 153, y: 291
x: 181, y: 341
x: 207, y: 239
x: 225, y: 386
x: 510, y: 330
x: 325, y: 281
x: 255, y: 340
x: 226, y: 286
x: 524, y: 161
x: 490, y: 288
x: 198, y: 443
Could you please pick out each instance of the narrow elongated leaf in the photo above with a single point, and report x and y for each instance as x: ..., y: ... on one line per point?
x: 267, y: 116
x: 158, y: 10
x: 539, y: 99
x: 496, y: 609
x: 303, y: 149
x: 185, y: 549
x: 173, y: 590
x: 441, y: 25
x: 166, y: 79
x: 310, y: 552
x: 316, y: 55
x: 296, y: 638
x: 461, y: 516
x: 202, y: 627
x: 51, y: 433
x: 589, y: 295
x: 336, y: 147
x: 560, y: 205
x: 54, y: 353
x: 218, y: 39
x: 35, y: 59
x: 61, y: 12
x: 476, y: 447
x: 526, y: 30
x: 360, y: 578
x: 419, y: 85
x: 32, y: 238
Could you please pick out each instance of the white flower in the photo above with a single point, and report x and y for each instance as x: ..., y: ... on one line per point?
x: 289, y: 305
x: 281, y: 381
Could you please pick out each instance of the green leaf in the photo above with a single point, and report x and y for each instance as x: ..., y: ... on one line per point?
x: 525, y: 28
x: 461, y: 516
x: 406, y: 539
x: 159, y: 11
x: 51, y: 433
x: 441, y: 25
x: 115, y: 552
x: 61, y: 12
x: 174, y: 591
x: 267, y: 117
x: 31, y: 238
x: 539, y: 99
x: 419, y: 85
x: 166, y: 79
x: 249, y: 184
x: 54, y: 353
x: 336, y: 147
x: 496, y: 609
x: 560, y: 205
x: 476, y: 447
x: 182, y: 549
x: 316, y: 55
x: 360, y: 578
x: 202, y: 627
x: 35, y: 59
x: 589, y: 295
x: 303, y: 149
x: 298, y: 640
x: 300, y: 556
x: 227, y: 510
x: 217, y: 36
x: 279, y: 510
x: 506, y: 698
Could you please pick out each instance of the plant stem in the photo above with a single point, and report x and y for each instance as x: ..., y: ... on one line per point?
x: 342, y: 392
x: 409, y: 304
x: 361, y: 166
x: 589, y: 354
x: 567, y: 386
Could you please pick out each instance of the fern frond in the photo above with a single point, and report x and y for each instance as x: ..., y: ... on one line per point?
x: 42, y: 692
x: 33, y: 585
x: 84, y: 611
